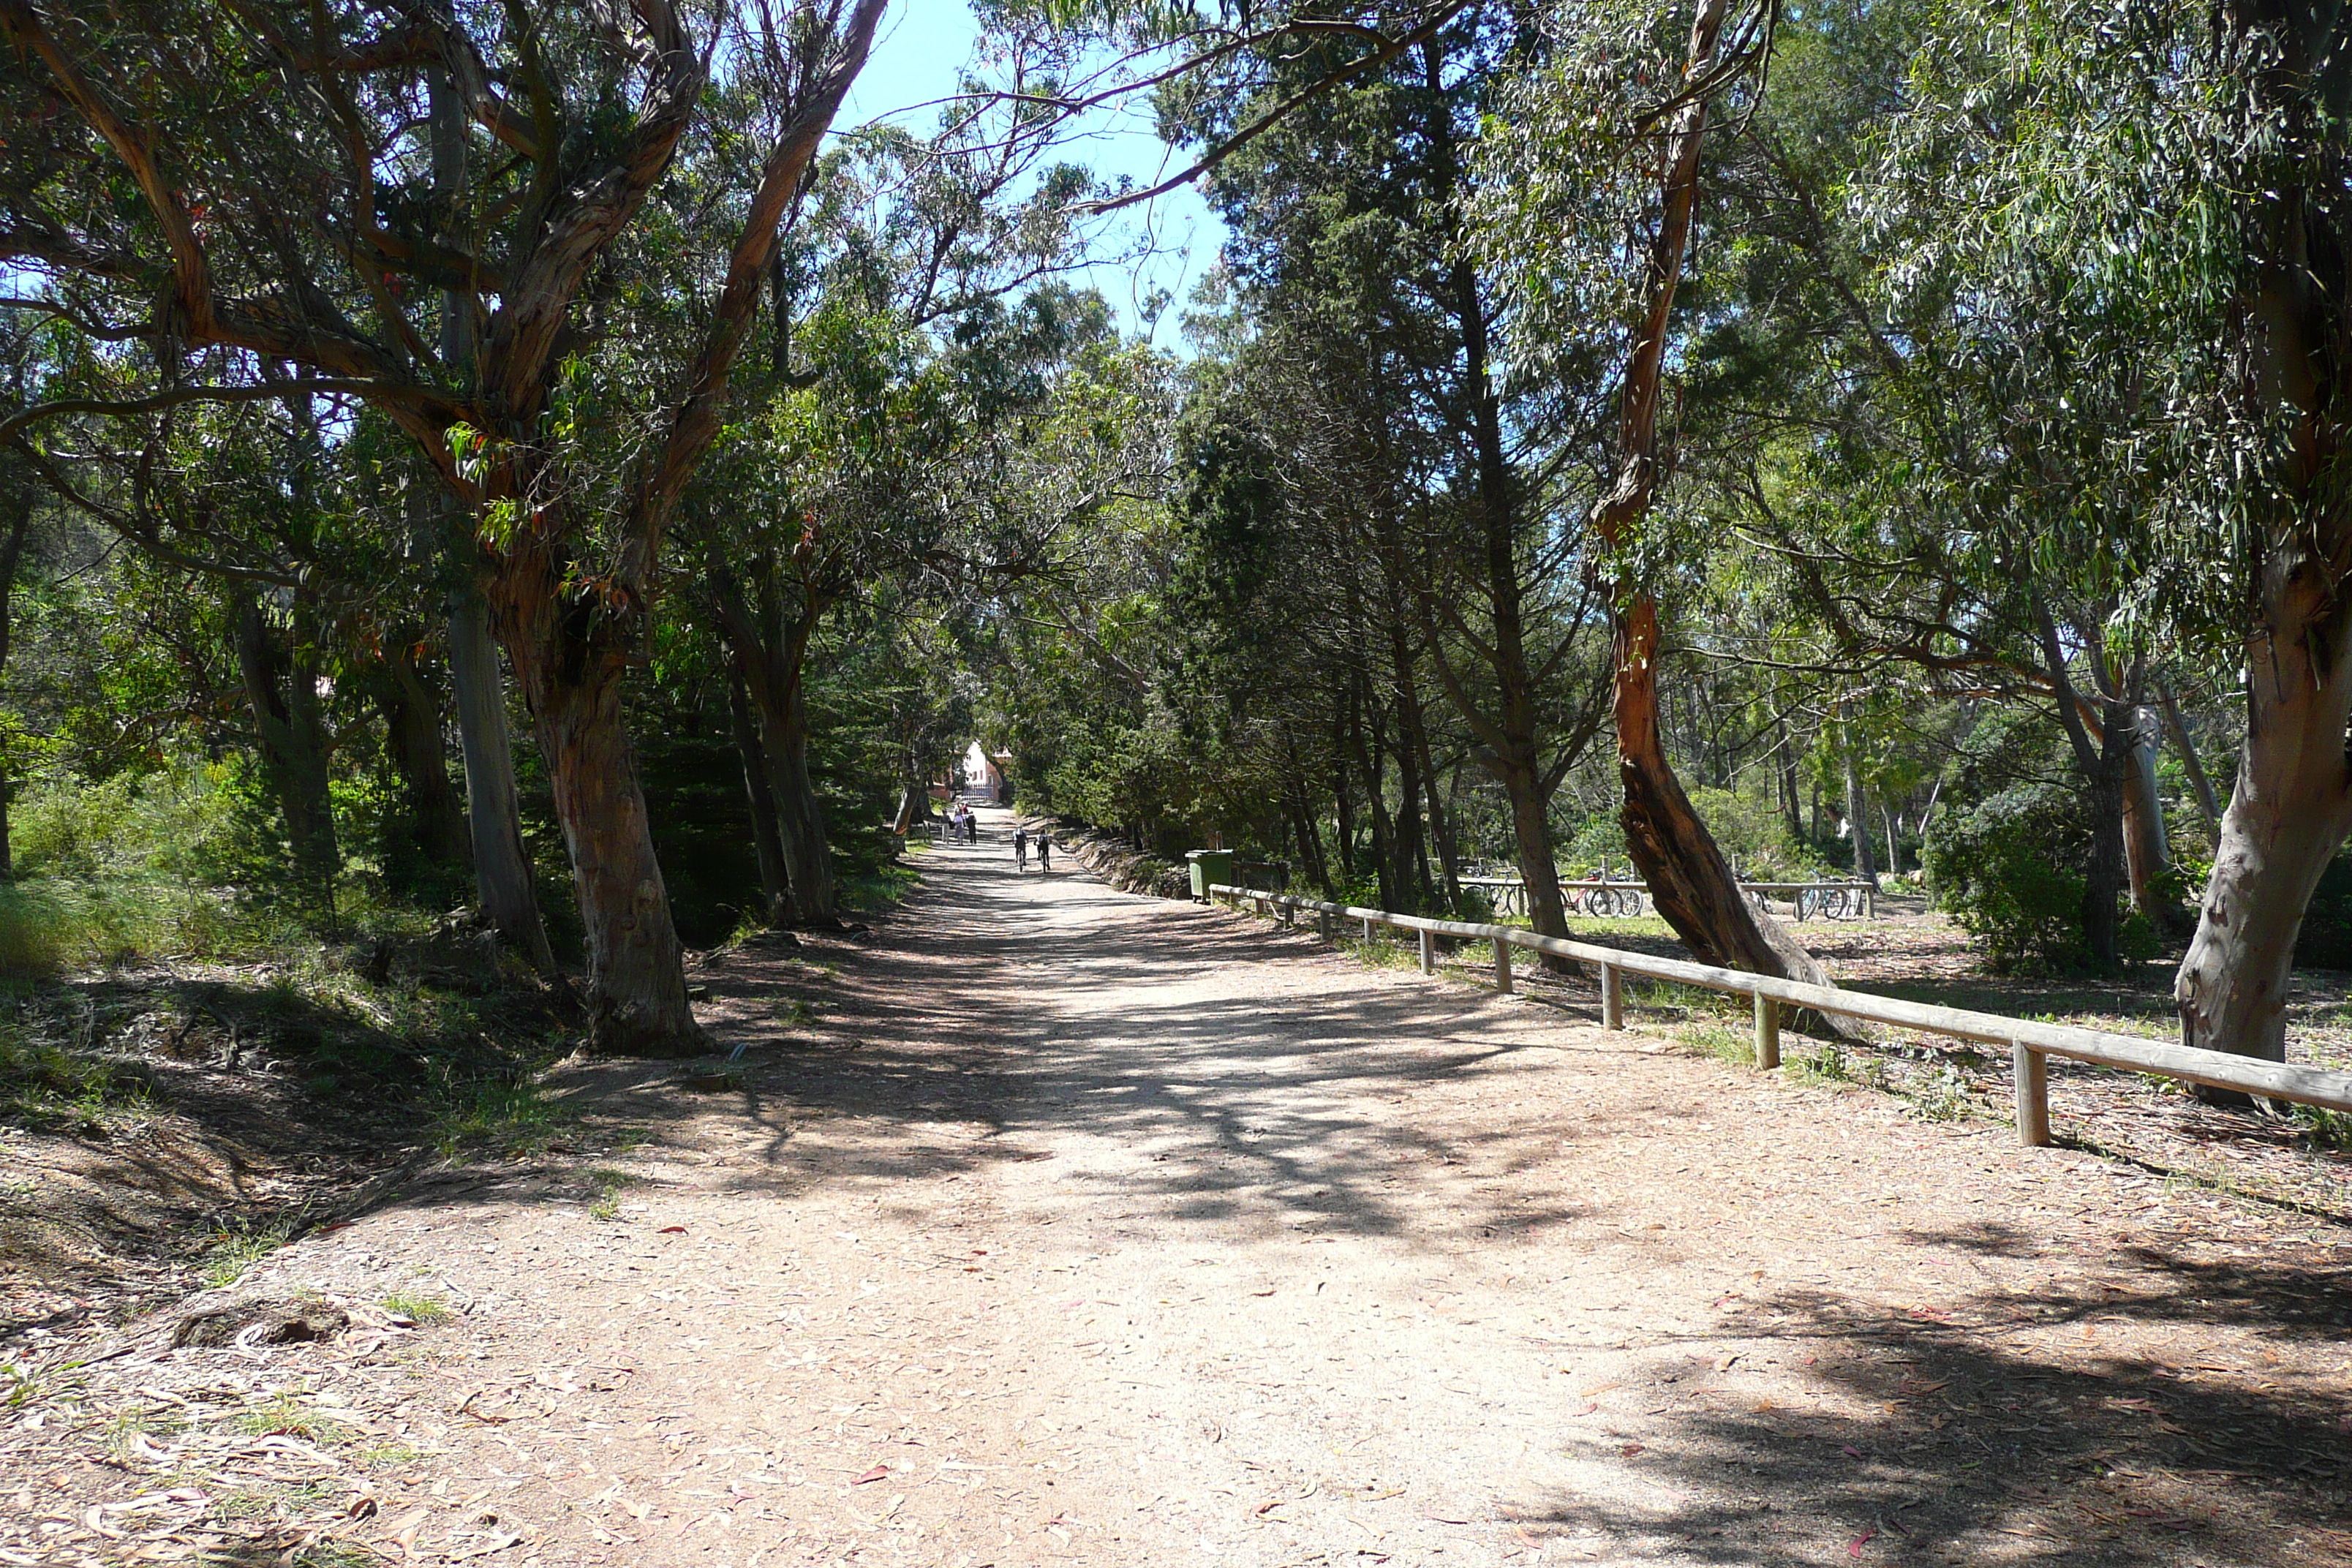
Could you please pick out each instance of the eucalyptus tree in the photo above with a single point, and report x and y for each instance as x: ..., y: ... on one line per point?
x: 2183, y: 171
x: 307, y: 229
x: 1595, y: 181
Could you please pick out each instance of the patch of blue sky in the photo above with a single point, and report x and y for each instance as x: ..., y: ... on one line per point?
x: 920, y: 55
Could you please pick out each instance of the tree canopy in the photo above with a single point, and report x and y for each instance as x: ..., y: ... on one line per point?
x: 536, y: 457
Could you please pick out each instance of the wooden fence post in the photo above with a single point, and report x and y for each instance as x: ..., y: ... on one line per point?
x: 1428, y: 953
x: 1768, y: 1033
x: 2029, y: 1069
x: 1502, y: 966
x: 1323, y: 924
x: 1612, y: 997
x: 1368, y: 932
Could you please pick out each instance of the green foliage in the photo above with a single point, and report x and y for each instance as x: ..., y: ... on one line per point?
x: 2006, y: 871
x: 174, y: 823
x: 1751, y: 829
x: 49, y: 927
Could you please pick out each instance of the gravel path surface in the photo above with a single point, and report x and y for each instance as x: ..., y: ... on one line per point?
x: 1073, y: 1227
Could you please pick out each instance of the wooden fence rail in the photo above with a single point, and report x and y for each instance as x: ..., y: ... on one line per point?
x: 1510, y: 893
x: 2029, y: 1042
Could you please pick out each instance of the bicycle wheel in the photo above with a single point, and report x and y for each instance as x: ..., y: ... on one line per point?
x: 1629, y: 901
x: 1808, y: 902
x: 1835, y: 902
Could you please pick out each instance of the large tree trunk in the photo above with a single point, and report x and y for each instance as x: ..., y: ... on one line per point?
x: 1531, y: 841
x: 767, y: 841
x: 2289, y: 813
x: 502, y: 881
x: 1689, y: 880
x: 281, y: 687
x: 2292, y: 803
x: 636, y: 998
x: 570, y: 649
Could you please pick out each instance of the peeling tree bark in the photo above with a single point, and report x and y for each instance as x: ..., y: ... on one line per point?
x: 1689, y: 880
x: 570, y: 656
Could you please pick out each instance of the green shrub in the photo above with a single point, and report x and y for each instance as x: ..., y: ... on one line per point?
x: 174, y: 823
x: 2008, y: 872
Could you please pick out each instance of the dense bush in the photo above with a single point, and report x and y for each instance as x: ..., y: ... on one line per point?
x: 2009, y: 870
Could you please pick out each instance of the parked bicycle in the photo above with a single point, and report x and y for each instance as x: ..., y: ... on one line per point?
x: 1829, y: 903
x: 1605, y: 902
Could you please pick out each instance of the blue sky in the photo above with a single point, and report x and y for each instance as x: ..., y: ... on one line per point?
x: 923, y: 44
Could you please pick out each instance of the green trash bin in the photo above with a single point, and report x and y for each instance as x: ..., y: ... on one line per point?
x: 1209, y: 867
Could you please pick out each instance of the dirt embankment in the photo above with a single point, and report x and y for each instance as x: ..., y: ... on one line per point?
x: 1115, y: 861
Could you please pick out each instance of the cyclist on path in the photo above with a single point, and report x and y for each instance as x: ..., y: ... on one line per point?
x: 1020, y: 850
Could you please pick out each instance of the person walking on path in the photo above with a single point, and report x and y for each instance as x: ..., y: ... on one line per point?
x: 1045, y: 852
x: 1020, y: 850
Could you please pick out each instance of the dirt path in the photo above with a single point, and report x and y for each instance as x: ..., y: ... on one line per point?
x: 1086, y: 1228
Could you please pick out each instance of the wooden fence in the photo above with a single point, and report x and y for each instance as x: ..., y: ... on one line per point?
x: 1509, y: 894
x: 2030, y: 1043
